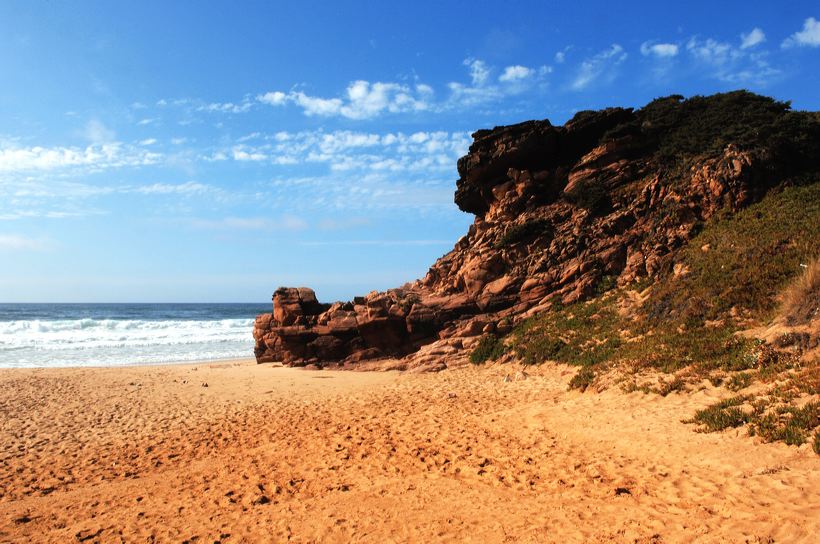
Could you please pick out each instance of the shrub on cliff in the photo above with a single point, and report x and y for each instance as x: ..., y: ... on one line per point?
x: 522, y: 232
x: 684, y: 129
x: 489, y: 348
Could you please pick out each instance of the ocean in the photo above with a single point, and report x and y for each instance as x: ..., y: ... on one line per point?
x: 61, y: 335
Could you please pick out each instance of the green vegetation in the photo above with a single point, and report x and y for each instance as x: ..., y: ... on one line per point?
x: 722, y: 415
x: 787, y: 424
x: 590, y: 195
x: 767, y: 418
x: 749, y: 258
x: 489, y: 348
x: 686, y: 129
x: 522, y: 232
x: 583, y: 379
x: 739, y: 381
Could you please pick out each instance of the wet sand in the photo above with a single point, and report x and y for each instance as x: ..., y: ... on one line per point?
x: 266, y: 454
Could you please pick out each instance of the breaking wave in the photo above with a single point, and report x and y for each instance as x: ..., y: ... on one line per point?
x: 112, y: 342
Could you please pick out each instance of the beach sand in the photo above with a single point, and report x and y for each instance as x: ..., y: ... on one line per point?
x: 267, y: 454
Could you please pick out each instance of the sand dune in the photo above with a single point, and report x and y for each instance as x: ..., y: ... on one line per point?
x: 262, y: 454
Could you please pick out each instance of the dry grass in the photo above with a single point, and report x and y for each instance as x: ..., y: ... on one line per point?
x: 801, y: 299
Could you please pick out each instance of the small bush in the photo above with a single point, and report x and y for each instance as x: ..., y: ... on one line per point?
x: 739, y: 381
x: 787, y: 424
x: 489, y: 348
x: 541, y: 349
x: 583, y: 379
x: 676, y: 384
x: 722, y: 415
x: 524, y: 231
x: 606, y: 284
x: 590, y: 195
x: 816, y: 444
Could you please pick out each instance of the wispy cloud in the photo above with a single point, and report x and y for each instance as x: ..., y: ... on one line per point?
x: 753, y: 38
x: 187, y: 188
x: 377, y: 243
x: 14, y: 242
x: 227, y: 107
x: 808, y: 37
x: 97, y: 133
x: 479, y: 71
x: 659, y: 50
x: 346, y: 150
x: 94, y: 157
x: 286, y: 222
x: 362, y: 100
x: 516, y: 73
x: 730, y: 64
x: 602, y: 66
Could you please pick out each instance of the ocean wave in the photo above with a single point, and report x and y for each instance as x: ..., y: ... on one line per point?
x: 80, y: 334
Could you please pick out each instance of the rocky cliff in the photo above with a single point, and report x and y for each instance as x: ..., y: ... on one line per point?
x: 561, y: 212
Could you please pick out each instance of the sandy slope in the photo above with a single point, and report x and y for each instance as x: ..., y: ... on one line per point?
x: 271, y: 454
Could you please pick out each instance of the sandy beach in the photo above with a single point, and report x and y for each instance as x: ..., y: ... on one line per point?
x: 239, y: 452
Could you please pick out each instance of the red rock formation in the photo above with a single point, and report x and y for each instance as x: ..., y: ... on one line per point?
x: 557, y: 210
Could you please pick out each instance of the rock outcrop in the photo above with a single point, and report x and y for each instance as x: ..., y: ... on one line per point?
x: 559, y: 211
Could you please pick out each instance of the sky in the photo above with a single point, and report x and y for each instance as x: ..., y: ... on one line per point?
x: 203, y: 151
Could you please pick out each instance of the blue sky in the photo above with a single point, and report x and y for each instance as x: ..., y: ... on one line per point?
x: 212, y: 151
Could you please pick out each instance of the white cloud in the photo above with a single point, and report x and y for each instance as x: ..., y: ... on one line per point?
x: 97, y: 133
x: 287, y: 222
x: 730, y: 64
x: 147, y: 121
x: 227, y: 107
x: 378, y: 190
x: 516, y: 73
x: 753, y: 38
x: 366, y: 100
x: 479, y: 72
x: 349, y: 150
x: 189, y: 187
x: 560, y: 57
x: 274, y: 98
x: 239, y: 154
x: 13, y: 242
x: 95, y: 157
x: 362, y: 100
x: 660, y: 50
x: 178, y: 141
x: 317, y: 106
x: 601, y: 65
x: 148, y: 141
x: 808, y: 37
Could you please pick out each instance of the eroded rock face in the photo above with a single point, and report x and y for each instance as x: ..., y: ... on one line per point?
x: 558, y: 210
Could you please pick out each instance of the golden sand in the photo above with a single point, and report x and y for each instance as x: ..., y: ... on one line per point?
x: 265, y: 454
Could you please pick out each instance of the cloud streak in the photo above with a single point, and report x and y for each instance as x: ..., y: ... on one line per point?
x: 14, y: 242
x: 600, y: 66
x: 95, y: 157
x: 808, y: 37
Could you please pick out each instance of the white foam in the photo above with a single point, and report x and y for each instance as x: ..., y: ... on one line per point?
x: 76, y: 342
